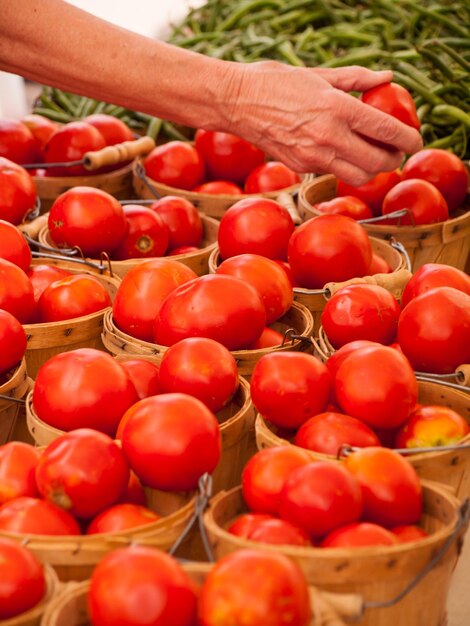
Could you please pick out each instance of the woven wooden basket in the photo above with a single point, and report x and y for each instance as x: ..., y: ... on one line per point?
x: 198, y: 261
x: 315, y: 299
x: 34, y: 616
x: 375, y: 573
x: 447, y: 242
x: 16, y: 387
x: 297, y: 318
x: 47, y: 340
x: 452, y: 468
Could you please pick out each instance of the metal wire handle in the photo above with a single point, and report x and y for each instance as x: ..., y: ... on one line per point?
x: 401, y: 248
x: 10, y: 399
x: 441, y: 380
x: 140, y: 173
x: 101, y: 267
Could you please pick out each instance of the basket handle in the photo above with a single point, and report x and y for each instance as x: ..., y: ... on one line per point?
x: 287, y: 201
x: 394, y: 282
x: 463, y: 374
x: 33, y: 228
x: 334, y: 608
x: 118, y: 153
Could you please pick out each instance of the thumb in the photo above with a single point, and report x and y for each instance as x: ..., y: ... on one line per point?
x: 354, y: 78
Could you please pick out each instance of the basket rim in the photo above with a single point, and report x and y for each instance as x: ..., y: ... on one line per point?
x: 76, y: 181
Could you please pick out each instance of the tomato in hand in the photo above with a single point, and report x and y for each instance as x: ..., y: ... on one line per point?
x: 372, y: 192
x: 144, y: 376
x: 246, y: 522
x: 395, y: 100
x: 429, y: 426
x: 281, y: 595
x: 17, y: 143
x: 41, y: 128
x: 434, y: 330
x: 89, y: 218
x: 23, y: 581
x: 255, y: 226
x: 13, y: 246
x: 18, y: 463
x: 271, y: 176
x: 367, y: 312
x: 267, y: 277
x: 345, y: 205
x: 409, y: 532
x: 72, y: 297
x: 280, y: 533
x: 176, y: 164
x: 320, y: 497
x: 12, y: 341
x: 147, y: 235
x: 265, y: 475
x: 215, y: 306
x: 41, y: 276
x: 219, y: 187
x: 121, y: 517
x: 391, y: 488
x: 111, y: 128
x: 227, y: 157
x: 170, y: 440
x: 288, y: 388
x: 329, y: 248
x: 83, y: 388
x: 142, y: 292
x: 202, y: 368
x: 137, y: 584
x: 444, y: 170
x: 182, y: 221
x: 16, y: 292
x: 359, y: 535
x: 432, y: 275
x: 70, y: 143
x: 31, y: 516
x: 17, y: 192
x: 424, y: 202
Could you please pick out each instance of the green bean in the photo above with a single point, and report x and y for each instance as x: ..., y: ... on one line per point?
x: 154, y: 127
x: 458, y: 58
x: 233, y: 18
x: 437, y: 17
x: 286, y: 50
x: 415, y: 74
x: 437, y: 62
x: 409, y: 83
x: 172, y: 132
x: 363, y: 56
x: 64, y: 101
x: 56, y: 116
x: 452, y: 112
x: 81, y: 106
x: 423, y: 110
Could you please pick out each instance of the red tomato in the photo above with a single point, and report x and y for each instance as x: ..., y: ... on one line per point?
x: 17, y: 192
x: 372, y: 192
x: 12, y: 341
x: 288, y: 388
x: 138, y: 583
x: 281, y: 597
x: 13, y: 246
x: 432, y: 275
x: 41, y: 128
x: 340, y: 355
x: 143, y: 291
x: 359, y: 535
x: 121, y: 517
x: 265, y: 475
x: 320, y: 497
x: 279, y: 532
x: 182, y: 250
x: 72, y: 297
x: 112, y: 129
x: 227, y: 156
x: 267, y: 277
x: 31, y: 516
x: 23, y: 581
x: 434, y: 330
x: 424, y: 202
x: 147, y: 235
x: 432, y: 426
x: 17, y: 142
x: 170, y: 440
x: 395, y: 100
x: 83, y: 388
x: 246, y: 522
x: 379, y: 265
x: 16, y: 292
x: 271, y: 176
x: 345, y: 205
x: 70, y: 143
x: 327, y: 432
x: 135, y: 493
x: 41, y: 276
x: 218, y: 307
x: 182, y: 220
x: 219, y: 187
x: 176, y: 164
x: 144, y: 376
x: 268, y: 339
x: 444, y: 170
x: 202, y: 368
x: 63, y: 473
x: 376, y: 385
x: 329, y: 248
x: 368, y: 312
x: 18, y: 463
x: 256, y: 226
x: 89, y: 218
x: 391, y: 488
x: 409, y: 532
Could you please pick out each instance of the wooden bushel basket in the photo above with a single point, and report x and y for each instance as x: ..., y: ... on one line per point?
x: 447, y: 242
x: 297, y: 318
x: 16, y: 387
x: 378, y: 573
x: 48, y: 339
x: 34, y: 616
x: 451, y: 468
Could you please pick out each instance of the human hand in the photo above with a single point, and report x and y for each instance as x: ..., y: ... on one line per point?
x: 306, y: 118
